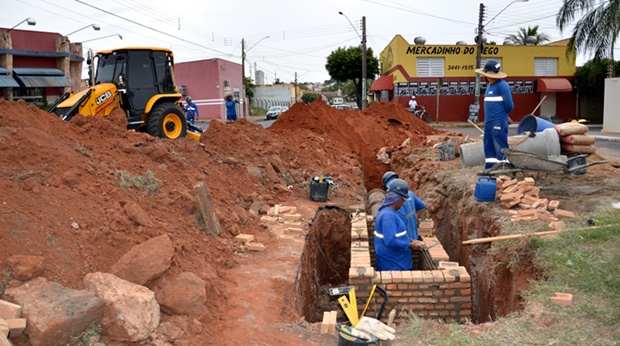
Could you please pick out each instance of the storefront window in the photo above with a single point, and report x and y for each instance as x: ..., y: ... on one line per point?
x: 545, y: 66
x: 30, y: 95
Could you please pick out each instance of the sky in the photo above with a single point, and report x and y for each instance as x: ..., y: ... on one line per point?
x: 282, y: 38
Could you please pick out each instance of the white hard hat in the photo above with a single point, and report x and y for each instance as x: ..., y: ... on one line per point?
x: 412, y: 96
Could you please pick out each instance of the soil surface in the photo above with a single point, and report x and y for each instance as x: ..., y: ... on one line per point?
x: 83, y: 193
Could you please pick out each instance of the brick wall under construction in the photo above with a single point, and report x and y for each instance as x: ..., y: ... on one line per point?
x: 439, y: 290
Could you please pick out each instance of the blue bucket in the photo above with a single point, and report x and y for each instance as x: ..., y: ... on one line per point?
x: 533, y: 123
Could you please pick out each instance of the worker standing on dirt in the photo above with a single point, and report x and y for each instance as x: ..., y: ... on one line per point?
x: 393, y: 247
x: 191, y: 110
x: 497, y: 104
x: 231, y: 109
x: 409, y: 211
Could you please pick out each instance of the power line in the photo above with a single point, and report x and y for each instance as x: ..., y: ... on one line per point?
x: 150, y: 28
x: 422, y: 13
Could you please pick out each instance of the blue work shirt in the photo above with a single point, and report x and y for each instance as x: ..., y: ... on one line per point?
x: 230, y: 108
x: 408, y: 214
x: 497, y: 102
x: 391, y: 242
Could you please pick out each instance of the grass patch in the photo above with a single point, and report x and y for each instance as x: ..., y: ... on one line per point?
x: 6, y: 277
x: 146, y: 182
x: 89, y: 337
x: 582, y: 261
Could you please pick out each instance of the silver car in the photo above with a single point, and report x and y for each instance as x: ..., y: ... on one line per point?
x: 275, y: 111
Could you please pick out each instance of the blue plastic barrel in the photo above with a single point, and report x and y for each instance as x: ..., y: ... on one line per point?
x: 533, y: 123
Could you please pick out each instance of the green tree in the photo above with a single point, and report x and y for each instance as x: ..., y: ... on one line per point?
x: 310, y: 97
x: 278, y: 81
x: 249, y: 89
x: 346, y: 65
x: 521, y: 36
x: 590, y: 78
x: 597, y: 28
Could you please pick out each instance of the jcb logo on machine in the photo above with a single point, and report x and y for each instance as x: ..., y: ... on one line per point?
x: 104, y: 97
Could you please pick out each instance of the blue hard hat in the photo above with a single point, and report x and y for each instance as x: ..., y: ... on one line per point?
x: 400, y: 187
x: 387, y: 177
x: 188, y: 99
x: 492, y: 66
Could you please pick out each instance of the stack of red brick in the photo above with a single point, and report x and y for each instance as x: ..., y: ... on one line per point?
x: 574, y: 138
x: 524, y: 197
x: 11, y: 323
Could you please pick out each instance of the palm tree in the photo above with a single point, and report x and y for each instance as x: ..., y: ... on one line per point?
x: 521, y: 36
x: 597, y: 29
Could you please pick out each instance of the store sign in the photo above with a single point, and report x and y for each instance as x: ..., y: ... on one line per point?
x: 451, y: 50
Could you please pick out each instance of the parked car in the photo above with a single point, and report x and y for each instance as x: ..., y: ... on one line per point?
x: 343, y: 106
x: 275, y: 111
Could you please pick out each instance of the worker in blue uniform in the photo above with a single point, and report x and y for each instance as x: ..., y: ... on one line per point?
x: 393, y: 247
x: 191, y: 110
x: 409, y: 211
x: 497, y: 105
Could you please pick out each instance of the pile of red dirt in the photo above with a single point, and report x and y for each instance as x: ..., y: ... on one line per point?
x: 81, y: 194
x: 364, y: 133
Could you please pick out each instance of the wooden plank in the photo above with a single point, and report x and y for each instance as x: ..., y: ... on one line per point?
x: 508, y: 237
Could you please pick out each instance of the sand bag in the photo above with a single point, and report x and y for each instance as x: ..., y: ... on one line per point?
x: 583, y: 149
x: 566, y: 129
x: 578, y: 139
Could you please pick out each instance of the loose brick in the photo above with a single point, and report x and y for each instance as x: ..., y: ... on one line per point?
x: 294, y: 231
x: 270, y: 220
x: 507, y: 197
x: 510, y: 183
x: 325, y: 324
x: 9, y: 310
x: 564, y: 213
x: 244, y: 238
x: 558, y: 225
x: 525, y: 206
x: 255, y: 246
x: 291, y: 217
x: 287, y: 238
x: 562, y: 299
x: 529, y: 181
x: 16, y: 326
x: 4, y: 329
x: 527, y: 213
x: 333, y: 316
x: 553, y: 205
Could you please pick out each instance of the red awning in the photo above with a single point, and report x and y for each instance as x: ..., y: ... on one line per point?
x: 383, y: 83
x: 554, y: 85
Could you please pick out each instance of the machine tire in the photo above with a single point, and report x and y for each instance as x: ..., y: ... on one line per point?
x: 166, y: 120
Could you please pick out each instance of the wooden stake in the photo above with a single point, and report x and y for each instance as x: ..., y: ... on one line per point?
x: 476, y: 126
x: 508, y: 237
x: 209, y: 218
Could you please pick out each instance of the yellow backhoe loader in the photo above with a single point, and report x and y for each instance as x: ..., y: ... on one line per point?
x: 138, y: 80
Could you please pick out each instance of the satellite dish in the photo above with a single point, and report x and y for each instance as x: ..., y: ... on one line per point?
x: 461, y: 43
x: 419, y: 40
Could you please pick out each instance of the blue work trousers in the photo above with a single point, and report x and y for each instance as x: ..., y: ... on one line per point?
x: 495, y: 139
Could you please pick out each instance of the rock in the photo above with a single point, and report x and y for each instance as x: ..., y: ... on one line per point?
x: 255, y: 208
x: 191, y: 302
x: 256, y: 172
x: 55, y: 314
x: 145, y: 262
x: 131, y: 311
x: 137, y: 215
x: 271, y: 173
x: 25, y: 268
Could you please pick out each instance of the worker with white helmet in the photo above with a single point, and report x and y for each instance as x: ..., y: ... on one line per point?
x: 191, y: 110
x: 413, y: 104
x: 393, y: 247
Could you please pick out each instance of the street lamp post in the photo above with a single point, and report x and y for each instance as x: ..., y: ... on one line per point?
x: 363, y: 38
x: 243, y: 52
x: 30, y: 21
x: 480, y: 45
x: 95, y: 27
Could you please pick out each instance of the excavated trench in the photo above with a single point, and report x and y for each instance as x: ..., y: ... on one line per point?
x: 497, y: 277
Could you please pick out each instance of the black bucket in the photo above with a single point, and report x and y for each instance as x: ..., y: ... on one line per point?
x: 345, y: 338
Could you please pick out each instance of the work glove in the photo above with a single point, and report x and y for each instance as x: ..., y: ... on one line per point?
x: 375, y: 327
x: 359, y: 334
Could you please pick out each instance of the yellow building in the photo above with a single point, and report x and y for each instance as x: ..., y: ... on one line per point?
x: 443, y: 77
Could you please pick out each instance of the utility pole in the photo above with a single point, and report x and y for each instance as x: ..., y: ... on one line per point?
x: 242, y: 96
x: 364, y: 63
x: 295, y: 86
x: 480, y: 46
